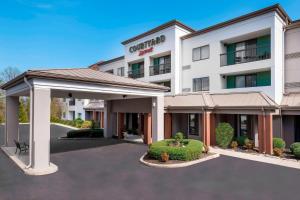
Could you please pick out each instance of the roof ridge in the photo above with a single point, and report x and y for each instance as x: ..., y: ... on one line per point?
x: 158, y: 28
x: 268, y: 99
x: 275, y: 7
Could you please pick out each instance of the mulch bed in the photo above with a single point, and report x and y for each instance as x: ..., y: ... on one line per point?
x: 151, y: 160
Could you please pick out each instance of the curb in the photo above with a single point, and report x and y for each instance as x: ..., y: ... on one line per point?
x: 179, y: 165
x: 258, y: 158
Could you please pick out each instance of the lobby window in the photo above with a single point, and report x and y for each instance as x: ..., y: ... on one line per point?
x: 193, y: 128
x: 120, y: 71
x: 200, y: 84
x: 201, y: 53
x: 249, y: 80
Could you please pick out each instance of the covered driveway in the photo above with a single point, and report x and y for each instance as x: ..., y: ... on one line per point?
x: 120, y: 95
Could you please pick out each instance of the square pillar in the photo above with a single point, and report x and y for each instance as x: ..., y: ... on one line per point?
x: 12, y: 120
x: 157, y: 118
x: 107, y: 119
x: 265, y: 133
x: 168, y: 125
x: 102, y: 120
x: 147, y: 128
x: 120, y: 125
x: 213, y: 129
x: 206, y: 127
x: 41, y: 128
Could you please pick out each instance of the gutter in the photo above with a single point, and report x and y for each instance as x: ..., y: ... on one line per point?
x: 30, y: 122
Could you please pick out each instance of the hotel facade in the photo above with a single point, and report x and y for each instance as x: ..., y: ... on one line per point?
x: 243, y: 71
x: 172, y: 78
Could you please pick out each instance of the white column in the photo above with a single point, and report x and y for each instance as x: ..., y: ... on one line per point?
x: 12, y: 120
x: 41, y: 129
x: 107, y: 119
x: 157, y: 118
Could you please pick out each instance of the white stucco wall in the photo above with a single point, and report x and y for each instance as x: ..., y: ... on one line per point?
x: 258, y: 26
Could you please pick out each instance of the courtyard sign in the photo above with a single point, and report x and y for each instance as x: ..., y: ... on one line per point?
x: 147, y: 46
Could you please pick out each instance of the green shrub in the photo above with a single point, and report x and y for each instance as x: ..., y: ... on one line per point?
x: 86, y: 124
x: 179, y: 137
x: 278, y: 143
x: 294, y: 145
x: 191, y: 151
x: 297, y: 152
x: 242, y: 140
x: 82, y: 133
x: 224, y: 134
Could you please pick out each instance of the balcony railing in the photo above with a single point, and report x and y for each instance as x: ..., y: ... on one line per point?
x: 139, y: 73
x: 160, y: 69
x: 246, y: 55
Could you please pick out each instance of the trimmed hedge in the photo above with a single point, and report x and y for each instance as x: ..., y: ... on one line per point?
x: 224, y: 134
x: 297, y: 152
x: 278, y: 143
x: 78, y: 123
x: 85, y: 133
x: 294, y: 146
x: 242, y: 140
x: 191, y: 151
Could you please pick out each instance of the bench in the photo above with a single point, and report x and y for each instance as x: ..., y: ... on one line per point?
x: 22, y: 146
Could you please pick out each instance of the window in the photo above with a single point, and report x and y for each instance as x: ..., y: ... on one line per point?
x: 201, y: 84
x: 79, y: 115
x: 193, y: 124
x: 120, y: 71
x: 245, y: 81
x: 64, y: 115
x: 201, y: 53
x: 243, y: 124
x: 111, y: 71
x: 165, y: 83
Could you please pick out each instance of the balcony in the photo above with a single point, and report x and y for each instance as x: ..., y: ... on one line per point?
x: 246, y: 55
x: 138, y: 73
x: 160, y: 69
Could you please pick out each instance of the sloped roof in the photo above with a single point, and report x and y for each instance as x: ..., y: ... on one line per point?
x: 84, y: 75
x: 291, y: 100
x: 94, y: 105
x: 221, y: 100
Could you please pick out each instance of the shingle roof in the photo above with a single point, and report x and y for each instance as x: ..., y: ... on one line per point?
x: 95, y: 105
x: 224, y: 100
x: 291, y: 100
x: 84, y: 75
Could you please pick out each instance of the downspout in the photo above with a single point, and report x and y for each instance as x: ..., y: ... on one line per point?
x: 30, y: 122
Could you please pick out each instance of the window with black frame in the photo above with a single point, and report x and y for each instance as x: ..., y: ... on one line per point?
x: 193, y: 128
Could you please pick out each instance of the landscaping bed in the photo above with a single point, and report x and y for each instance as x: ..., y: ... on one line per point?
x: 177, y: 152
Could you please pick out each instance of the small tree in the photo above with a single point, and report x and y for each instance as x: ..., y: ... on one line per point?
x: 224, y: 134
x: 23, y: 116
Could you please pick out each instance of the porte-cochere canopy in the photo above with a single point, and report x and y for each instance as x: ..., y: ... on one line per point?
x: 120, y: 95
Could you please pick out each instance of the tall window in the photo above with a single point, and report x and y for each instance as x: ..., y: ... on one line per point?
x: 201, y: 53
x: 120, y: 71
x: 193, y: 124
x: 200, y: 84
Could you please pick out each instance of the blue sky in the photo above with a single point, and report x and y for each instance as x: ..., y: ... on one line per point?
x: 76, y: 33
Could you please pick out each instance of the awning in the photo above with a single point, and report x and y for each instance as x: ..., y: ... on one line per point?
x: 220, y: 101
